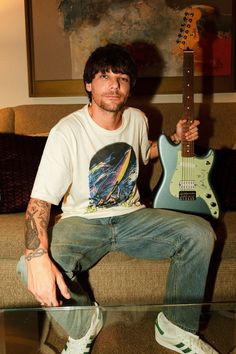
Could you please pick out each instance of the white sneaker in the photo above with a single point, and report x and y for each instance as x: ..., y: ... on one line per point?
x: 175, y: 338
x: 83, y: 345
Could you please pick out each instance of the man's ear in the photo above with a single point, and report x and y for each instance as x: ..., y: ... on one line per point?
x: 88, y: 87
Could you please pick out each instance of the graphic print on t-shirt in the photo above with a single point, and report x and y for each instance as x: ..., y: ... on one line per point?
x: 112, y: 176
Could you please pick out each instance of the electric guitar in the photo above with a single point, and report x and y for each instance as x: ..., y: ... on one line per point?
x: 185, y: 182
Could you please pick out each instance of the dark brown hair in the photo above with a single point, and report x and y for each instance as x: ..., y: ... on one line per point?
x: 110, y: 57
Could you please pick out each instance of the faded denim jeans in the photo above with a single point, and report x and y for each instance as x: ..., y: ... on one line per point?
x: 78, y: 243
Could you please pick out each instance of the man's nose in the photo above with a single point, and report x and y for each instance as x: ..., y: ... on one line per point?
x: 115, y: 83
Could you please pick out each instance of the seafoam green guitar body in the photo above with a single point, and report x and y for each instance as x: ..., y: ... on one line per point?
x: 191, y: 192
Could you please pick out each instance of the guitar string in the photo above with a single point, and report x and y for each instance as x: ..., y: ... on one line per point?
x: 188, y: 177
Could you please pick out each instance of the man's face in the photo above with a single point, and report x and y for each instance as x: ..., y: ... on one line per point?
x: 110, y: 91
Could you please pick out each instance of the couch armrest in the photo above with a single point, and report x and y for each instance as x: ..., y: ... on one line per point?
x: 7, y: 120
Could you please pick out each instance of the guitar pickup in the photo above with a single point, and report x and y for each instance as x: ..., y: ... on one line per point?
x: 187, y: 195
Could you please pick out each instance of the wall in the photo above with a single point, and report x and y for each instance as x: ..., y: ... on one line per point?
x: 13, y: 59
x: 13, y: 64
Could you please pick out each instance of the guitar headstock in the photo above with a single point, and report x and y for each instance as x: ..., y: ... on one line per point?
x: 188, y: 35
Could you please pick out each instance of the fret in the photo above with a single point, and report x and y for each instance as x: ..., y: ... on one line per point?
x: 188, y: 99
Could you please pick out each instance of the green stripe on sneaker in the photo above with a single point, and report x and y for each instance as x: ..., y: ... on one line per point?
x: 181, y: 345
x: 66, y: 347
x: 159, y: 329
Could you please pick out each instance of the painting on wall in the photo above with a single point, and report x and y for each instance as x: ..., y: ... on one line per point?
x: 60, y: 43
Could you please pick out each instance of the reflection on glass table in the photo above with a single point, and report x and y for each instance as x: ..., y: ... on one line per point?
x: 126, y: 330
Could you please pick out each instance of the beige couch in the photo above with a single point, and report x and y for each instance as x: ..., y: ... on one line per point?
x: 117, y: 278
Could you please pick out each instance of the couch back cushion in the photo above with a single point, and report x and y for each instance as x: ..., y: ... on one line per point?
x: 36, y: 119
x: 217, y: 129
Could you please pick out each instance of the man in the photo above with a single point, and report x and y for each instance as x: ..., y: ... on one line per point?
x: 91, y: 160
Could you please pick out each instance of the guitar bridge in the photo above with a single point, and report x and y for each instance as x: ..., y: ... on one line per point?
x: 187, y: 195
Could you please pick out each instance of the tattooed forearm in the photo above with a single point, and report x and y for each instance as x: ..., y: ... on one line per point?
x: 32, y: 240
x: 37, y: 217
x: 37, y: 253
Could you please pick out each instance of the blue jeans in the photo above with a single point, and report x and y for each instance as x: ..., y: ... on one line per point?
x: 78, y: 243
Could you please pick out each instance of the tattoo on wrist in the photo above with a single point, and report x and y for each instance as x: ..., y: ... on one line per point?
x: 37, y: 253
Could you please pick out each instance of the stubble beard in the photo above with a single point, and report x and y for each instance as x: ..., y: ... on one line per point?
x: 112, y: 107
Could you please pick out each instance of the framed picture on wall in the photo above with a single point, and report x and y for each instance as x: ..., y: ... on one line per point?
x: 59, y: 43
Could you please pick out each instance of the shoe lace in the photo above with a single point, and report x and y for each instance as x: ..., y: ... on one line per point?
x: 196, y: 344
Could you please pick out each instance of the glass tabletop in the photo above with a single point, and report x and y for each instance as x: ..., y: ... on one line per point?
x: 128, y: 329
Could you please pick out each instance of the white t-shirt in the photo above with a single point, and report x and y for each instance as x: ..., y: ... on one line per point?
x: 94, y: 169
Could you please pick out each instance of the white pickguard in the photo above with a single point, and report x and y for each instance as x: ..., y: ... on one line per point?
x: 194, y: 179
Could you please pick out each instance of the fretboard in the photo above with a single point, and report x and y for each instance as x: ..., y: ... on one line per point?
x: 188, y: 102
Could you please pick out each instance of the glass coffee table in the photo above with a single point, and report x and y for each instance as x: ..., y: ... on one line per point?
x: 127, y: 330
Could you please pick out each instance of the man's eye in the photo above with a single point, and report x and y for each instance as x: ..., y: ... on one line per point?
x: 104, y: 76
x: 124, y: 79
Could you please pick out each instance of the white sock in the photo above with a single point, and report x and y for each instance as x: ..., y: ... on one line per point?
x: 72, y: 340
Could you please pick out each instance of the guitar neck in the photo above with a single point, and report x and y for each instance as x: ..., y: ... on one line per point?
x: 188, y: 101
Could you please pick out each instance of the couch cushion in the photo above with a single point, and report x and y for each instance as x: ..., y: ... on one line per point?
x: 12, y: 235
x: 225, y: 230
x: 19, y: 160
x: 13, y: 292
x: 120, y: 279
x: 221, y: 281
